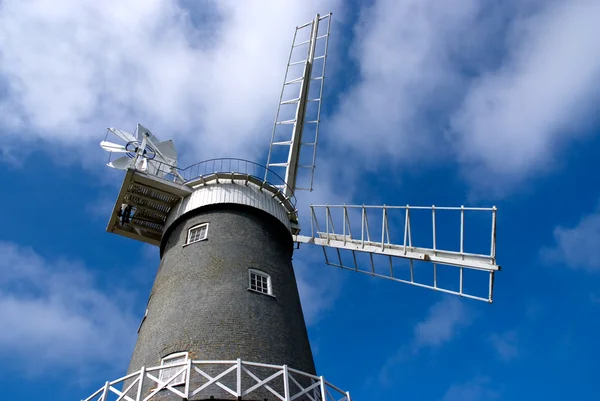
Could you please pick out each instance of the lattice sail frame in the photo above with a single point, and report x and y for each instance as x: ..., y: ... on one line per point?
x: 236, y: 371
x: 295, y: 143
x: 323, y: 233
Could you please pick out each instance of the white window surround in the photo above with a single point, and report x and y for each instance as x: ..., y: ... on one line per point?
x: 166, y: 374
x: 259, y: 281
x: 197, y: 233
x: 143, y: 319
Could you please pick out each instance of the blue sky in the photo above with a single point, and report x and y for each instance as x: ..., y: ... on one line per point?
x: 426, y: 103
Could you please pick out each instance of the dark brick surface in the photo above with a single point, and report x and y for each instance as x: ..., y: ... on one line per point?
x: 200, y: 301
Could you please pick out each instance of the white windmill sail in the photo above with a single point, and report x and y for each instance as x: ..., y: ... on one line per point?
x: 293, y: 148
x: 296, y: 130
x: 360, y: 238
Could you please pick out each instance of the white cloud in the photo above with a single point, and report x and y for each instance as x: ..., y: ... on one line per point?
x: 404, y: 53
x: 478, y: 389
x: 443, y: 321
x: 12, y: 152
x: 500, y: 89
x: 207, y: 74
x: 577, y: 247
x: 100, y: 208
x: 506, y: 345
x: 514, y: 118
x: 318, y: 284
x: 53, y: 311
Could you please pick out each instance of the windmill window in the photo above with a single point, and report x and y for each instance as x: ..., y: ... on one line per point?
x: 197, y: 233
x: 260, y: 282
x: 167, y: 373
x: 143, y: 319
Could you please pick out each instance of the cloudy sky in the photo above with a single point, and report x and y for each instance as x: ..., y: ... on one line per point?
x: 426, y: 102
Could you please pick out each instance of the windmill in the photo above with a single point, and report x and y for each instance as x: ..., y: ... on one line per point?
x: 224, y: 320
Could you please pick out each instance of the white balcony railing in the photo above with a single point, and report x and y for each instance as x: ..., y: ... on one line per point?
x: 232, y: 379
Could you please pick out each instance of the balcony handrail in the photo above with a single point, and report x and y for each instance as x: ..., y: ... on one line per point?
x: 223, y: 165
x: 318, y: 390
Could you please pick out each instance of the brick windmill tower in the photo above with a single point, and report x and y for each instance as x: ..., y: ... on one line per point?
x: 224, y: 319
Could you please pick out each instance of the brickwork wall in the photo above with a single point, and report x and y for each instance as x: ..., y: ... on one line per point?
x: 200, y: 301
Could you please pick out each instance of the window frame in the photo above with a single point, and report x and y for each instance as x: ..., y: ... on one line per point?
x: 145, y: 314
x: 260, y: 273
x: 174, y: 355
x: 143, y: 320
x: 189, y: 231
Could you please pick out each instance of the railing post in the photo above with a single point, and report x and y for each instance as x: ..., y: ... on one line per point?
x: 462, y: 230
x: 327, y: 222
x: 141, y: 384
x: 405, y: 228
x: 323, y: 394
x: 344, y: 224
x: 312, y: 221
x: 433, y: 224
x: 187, y: 379
x: 348, y: 396
x: 239, y: 378
x: 383, y: 220
x: 362, y: 227
x: 286, y: 383
x: 491, y: 287
x: 493, y: 244
x: 408, y: 223
x: 105, y: 392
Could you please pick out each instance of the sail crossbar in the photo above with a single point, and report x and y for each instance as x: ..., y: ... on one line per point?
x: 294, y: 138
x: 358, y: 238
